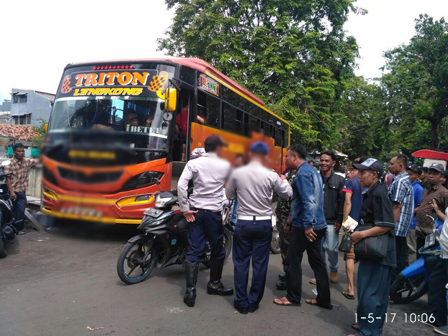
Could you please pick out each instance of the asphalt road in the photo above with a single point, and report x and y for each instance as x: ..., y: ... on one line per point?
x: 57, y: 284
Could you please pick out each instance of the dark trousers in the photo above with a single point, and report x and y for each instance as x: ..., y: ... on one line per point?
x: 251, y: 241
x: 284, y: 244
x: 206, y: 227
x: 402, y: 251
x: 437, y: 292
x: 19, y: 205
x: 373, y: 296
x: 298, y: 244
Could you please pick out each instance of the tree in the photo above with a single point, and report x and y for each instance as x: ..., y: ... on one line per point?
x: 293, y: 54
x: 39, y: 138
x: 416, y: 85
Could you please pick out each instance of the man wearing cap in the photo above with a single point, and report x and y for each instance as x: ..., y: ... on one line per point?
x: 400, y: 193
x: 374, y: 275
x: 435, y: 192
x: 253, y: 186
x: 414, y: 173
x: 203, y: 213
x: 308, y: 230
x: 424, y: 177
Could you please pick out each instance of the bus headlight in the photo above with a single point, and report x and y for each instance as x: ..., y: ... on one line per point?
x: 139, y: 200
x: 142, y: 180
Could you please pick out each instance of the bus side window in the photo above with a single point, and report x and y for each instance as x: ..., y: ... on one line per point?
x: 246, y: 131
x: 278, y: 137
x: 213, y: 116
x: 253, y: 125
x: 228, y: 118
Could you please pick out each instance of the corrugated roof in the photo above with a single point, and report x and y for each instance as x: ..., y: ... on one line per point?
x: 21, y: 132
x: 49, y: 96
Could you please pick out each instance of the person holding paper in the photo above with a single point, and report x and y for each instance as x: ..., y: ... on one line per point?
x: 352, y: 207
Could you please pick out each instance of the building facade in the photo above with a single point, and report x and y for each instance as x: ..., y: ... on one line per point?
x: 28, y: 106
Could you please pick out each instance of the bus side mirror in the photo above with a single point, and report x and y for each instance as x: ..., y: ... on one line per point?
x: 46, y: 128
x: 170, y: 99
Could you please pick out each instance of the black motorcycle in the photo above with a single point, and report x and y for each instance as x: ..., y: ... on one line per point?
x: 8, y: 230
x: 164, y: 242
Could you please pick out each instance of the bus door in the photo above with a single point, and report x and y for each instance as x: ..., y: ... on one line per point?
x: 181, y: 134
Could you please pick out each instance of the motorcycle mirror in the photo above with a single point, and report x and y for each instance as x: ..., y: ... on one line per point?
x: 157, y: 181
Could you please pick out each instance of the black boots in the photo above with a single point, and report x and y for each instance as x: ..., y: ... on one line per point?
x: 192, y: 278
x: 215, y: 286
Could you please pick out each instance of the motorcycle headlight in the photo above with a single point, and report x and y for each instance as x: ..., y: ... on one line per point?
x: 161, y: 201
x: 142, y: 180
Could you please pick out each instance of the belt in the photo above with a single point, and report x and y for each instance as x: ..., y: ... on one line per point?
x: 256, y: 218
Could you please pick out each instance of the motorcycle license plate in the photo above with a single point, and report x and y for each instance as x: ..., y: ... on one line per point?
x: 430, y: 240
x: 153, y: 212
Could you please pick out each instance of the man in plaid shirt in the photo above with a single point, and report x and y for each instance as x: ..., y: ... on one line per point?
x: 18, y: 183
x: 401, y: 194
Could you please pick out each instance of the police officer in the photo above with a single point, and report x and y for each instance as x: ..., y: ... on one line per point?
x: 253, y: 186
x: 203, y: 213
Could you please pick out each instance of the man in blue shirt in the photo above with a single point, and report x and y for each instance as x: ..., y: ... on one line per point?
x: 414, y: 173
x: 308, y: 229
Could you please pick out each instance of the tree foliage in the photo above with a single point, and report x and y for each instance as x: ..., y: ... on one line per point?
x: 295, y: 55
x: 416, y: 86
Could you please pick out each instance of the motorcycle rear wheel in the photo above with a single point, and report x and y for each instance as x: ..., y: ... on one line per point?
x: 140, y: 258
x: 405, y: 290
x: 3, y: 253
x: 227, y: 243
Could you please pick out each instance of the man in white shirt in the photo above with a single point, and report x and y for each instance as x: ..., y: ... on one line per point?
x: 203, y: 214
x: 438, y: 279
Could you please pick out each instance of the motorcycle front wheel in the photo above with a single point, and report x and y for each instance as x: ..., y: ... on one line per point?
x: 275, y: 241
x: 135, y: 263
x: 3, y: 253
x: 405, y: 290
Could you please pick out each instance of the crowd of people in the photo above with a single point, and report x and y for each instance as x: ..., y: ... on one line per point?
x: 392, y: 213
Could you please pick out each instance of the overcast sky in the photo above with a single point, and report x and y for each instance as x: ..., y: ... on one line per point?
x: 38, y: 38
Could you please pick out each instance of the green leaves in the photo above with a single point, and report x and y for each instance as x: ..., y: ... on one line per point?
x: 417, y: 84
x: 292, y: 54
x: 296, y: 56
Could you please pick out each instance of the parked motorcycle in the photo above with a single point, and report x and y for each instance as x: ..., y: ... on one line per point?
x: 164, y: 241
x: 8, y: 230
x: 412, y: 282
x: 275, y: 241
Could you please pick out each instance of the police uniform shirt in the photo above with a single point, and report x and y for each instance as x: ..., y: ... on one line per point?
x: 253, y: 186
x: 208, y: 173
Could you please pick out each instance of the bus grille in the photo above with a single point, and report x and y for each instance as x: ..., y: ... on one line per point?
x: 94, y: 178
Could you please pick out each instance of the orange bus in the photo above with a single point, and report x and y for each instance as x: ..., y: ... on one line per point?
x: 118, y: 127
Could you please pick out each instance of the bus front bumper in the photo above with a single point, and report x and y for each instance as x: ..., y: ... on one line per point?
x: 104, y: 220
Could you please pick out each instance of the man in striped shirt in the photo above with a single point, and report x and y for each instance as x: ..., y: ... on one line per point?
x: 401, y: 194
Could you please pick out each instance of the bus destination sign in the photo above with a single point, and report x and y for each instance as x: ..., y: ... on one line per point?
x: 113, y: 83
x: 209, y: 85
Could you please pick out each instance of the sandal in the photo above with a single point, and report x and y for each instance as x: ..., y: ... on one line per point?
x: 285, y: 302
x: 21, y: 233
x: 356, y: 327
x: 348, y: 296
x: 314, y: 302
x: 313, y: 281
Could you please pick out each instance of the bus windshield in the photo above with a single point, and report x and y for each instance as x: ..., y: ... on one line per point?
x: 141, y: 121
